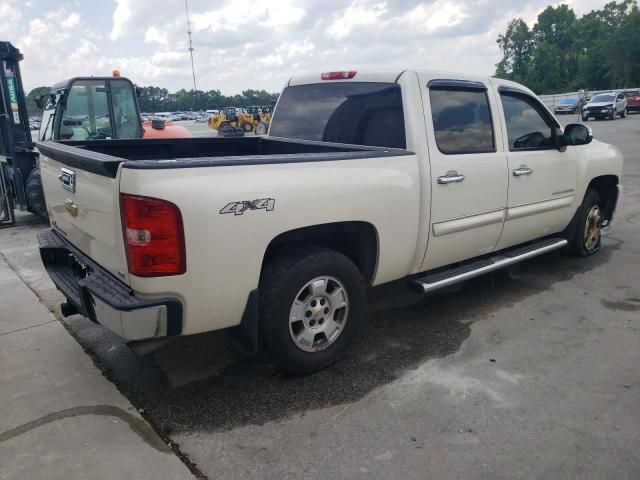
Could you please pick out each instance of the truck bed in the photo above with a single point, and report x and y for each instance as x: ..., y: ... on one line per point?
x: 103, y: 157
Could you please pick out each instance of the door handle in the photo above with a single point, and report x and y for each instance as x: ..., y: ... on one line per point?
x: 451, y: 177
x: 522, y: 170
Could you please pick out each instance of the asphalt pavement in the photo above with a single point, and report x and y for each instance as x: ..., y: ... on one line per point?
x: 531, y: 372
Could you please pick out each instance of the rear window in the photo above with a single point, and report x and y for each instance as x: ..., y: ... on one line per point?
x: 359, y: 113
x: 632, y: 93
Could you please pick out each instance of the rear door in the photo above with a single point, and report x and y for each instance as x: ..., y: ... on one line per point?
x: 542, y: 179
x: 468, y: 170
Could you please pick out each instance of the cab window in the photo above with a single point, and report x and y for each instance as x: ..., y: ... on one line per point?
x: 528, y: 126
x: 125, y: 117
x: 86, y: 112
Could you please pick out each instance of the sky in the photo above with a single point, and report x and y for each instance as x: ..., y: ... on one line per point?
x: 242, y: 44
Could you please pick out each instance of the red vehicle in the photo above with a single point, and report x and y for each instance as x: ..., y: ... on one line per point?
x: 633, y: 100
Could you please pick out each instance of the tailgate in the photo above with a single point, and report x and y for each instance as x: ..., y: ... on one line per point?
x: 82, y: 196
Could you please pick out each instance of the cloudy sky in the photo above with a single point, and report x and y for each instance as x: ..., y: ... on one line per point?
x: 242, y: 44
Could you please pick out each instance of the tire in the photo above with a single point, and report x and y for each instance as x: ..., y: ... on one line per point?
x: 589, y: 216
x: 612, y: 116
x: 246, y: 127
x: 35, y: 194
x: 301, y: 346
x: 624, y: 113
x: 585, y: 118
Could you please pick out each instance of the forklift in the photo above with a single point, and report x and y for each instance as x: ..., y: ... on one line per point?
x: 20, y: 184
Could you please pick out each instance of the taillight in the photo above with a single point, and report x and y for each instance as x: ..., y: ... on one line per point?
x: 153, y: 236
x: 338, y: 75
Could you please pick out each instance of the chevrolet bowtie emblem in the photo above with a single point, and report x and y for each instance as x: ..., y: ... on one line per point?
x: 71, y: 207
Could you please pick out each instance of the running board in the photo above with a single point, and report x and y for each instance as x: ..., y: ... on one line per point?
x: 436, y: 281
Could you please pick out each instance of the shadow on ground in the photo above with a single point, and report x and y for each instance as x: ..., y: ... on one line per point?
x: 228, y: 390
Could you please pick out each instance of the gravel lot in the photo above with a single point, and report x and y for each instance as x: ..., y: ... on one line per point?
x: 533, y: 372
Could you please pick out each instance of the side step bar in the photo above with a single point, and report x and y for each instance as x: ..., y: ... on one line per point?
x: 436, y: 281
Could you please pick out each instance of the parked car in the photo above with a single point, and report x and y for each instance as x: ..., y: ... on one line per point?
x: 364, y: 179
x: 568, y: 105
x: 605, y: 105
x: 633, y: 100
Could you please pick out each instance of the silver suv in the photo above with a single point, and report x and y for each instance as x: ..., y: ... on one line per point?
x: 605, y: 105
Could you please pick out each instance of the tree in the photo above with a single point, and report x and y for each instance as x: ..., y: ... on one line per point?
x: 516, y: 45
x: 600, y: 50
x: 32, y: 108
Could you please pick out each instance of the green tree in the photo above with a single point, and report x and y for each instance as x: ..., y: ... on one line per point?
x: 516, y: 45
x: 32, y: 108
x: 560, y: 52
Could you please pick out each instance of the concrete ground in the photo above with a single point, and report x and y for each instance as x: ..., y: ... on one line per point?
x: 61, y: 419
x: 533, y: 372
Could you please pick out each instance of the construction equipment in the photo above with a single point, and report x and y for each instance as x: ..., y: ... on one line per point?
x: 20, y: 185
x: 80, y: 108
x: 230, y: 122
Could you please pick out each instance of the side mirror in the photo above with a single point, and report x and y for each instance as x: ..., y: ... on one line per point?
x: 577, y: 134
x: 138, y: 91
x: 39, y: 101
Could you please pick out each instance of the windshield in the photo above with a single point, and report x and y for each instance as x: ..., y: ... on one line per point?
x: 568, y: 101
x: 603, y: 98
x: 359, y: 113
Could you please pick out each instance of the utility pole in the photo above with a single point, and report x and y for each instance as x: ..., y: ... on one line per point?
x: 193, y: 68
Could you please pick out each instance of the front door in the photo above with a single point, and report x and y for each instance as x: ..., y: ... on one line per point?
x: 542, y: 179
x: 468, y: 170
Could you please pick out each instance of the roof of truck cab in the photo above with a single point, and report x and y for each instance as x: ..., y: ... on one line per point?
x: 392, y: 76
x: 64, y: 84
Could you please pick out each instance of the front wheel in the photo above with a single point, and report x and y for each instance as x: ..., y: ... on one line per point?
x: 588, y: 231
x: 35, y: 194
x: 312, y: 304
x: 585, y: 118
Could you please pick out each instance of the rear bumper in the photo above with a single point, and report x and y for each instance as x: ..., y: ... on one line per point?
x: 98, y: 295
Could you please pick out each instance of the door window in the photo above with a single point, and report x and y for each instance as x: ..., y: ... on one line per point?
x: 528, y: 128
x: 125, y: 117
x: 461, y: 120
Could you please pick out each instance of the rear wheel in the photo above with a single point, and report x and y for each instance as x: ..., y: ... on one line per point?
x: 624, y: 113
x: 35, y: 194
x: 312, y: 304
x: 588, y: 231
x: 246, y: 127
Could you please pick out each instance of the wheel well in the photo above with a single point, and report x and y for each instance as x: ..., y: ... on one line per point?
x: 607, y: 188
x: 356, y: 240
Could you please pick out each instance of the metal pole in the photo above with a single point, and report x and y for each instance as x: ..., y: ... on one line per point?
x: 193, y: 68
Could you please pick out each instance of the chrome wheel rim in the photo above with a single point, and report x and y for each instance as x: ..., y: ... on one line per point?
x: 319, y: 314
x: 592, y: 229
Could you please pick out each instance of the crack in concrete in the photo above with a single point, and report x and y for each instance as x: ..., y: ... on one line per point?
x: 137, y: 425
x: 29, y: 327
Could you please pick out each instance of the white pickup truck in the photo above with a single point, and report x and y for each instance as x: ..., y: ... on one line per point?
x: 364, y: 178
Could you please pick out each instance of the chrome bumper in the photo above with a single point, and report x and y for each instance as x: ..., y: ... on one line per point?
x: 98, y: 295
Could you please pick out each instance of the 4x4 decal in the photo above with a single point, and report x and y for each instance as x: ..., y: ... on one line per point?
x: 238, y: 208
